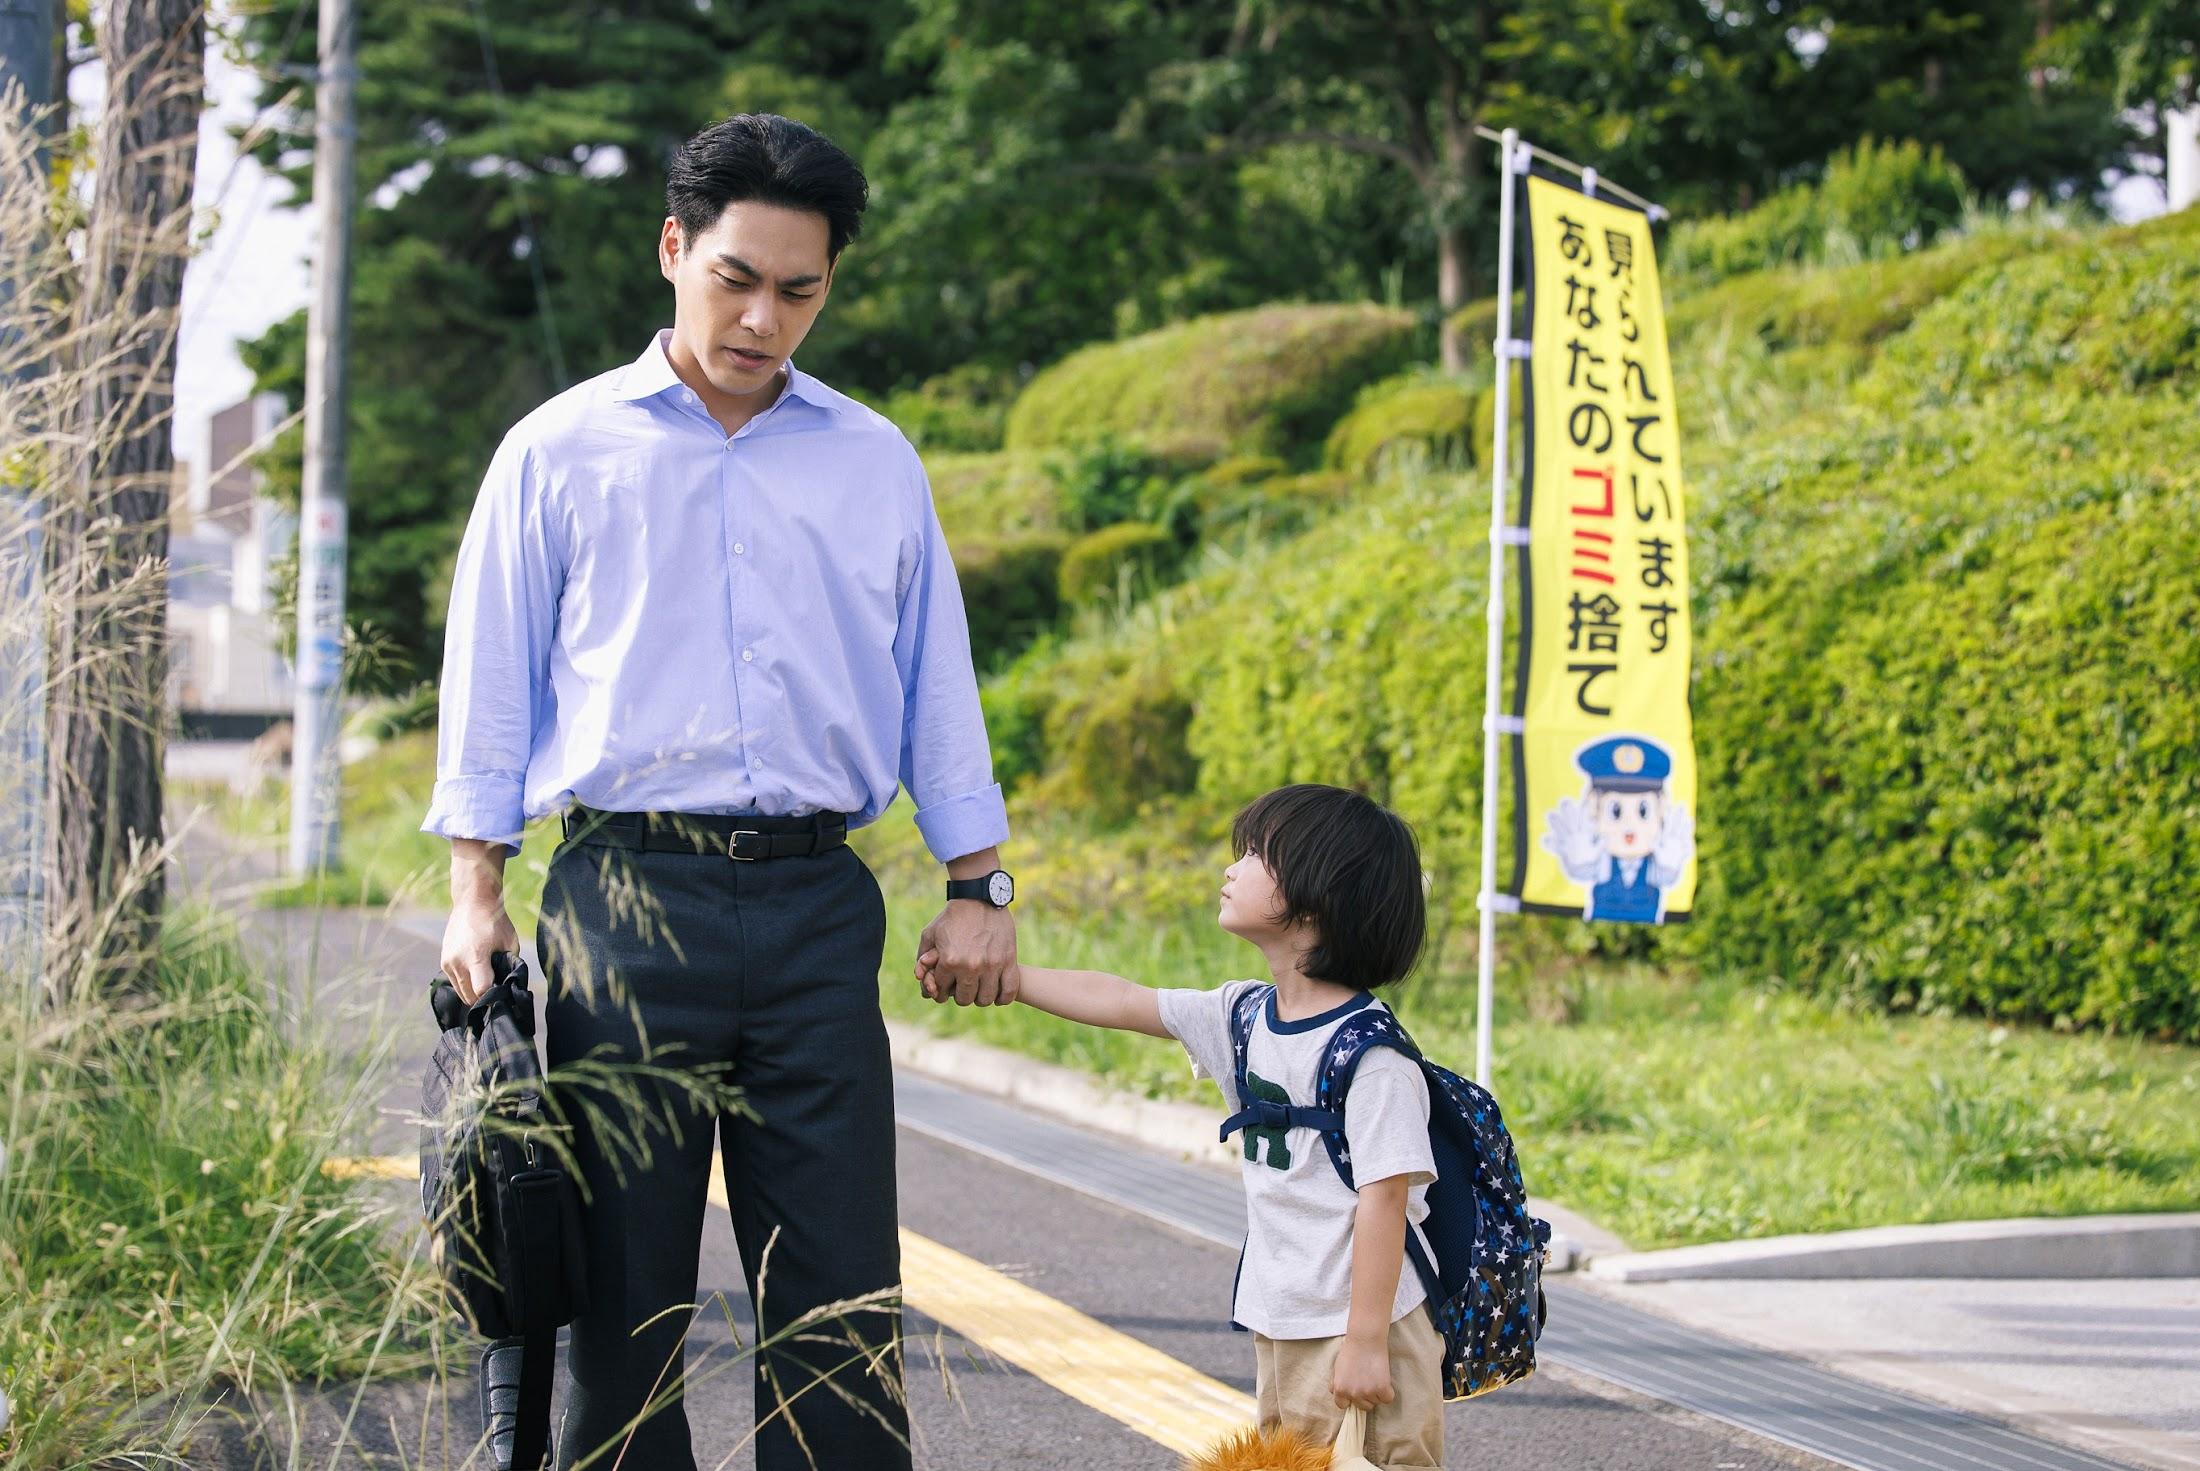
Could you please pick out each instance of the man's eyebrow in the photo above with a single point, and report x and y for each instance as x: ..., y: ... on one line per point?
x: 810, y: 279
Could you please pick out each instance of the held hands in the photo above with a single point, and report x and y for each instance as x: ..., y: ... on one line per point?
x: 968, y: 955
x: 1362, y: 1375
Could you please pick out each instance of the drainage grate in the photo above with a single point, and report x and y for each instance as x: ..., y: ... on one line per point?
x: 1773, y: 1395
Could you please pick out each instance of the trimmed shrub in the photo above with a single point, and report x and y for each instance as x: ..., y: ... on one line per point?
x: 1266, y: 381
x: 1240, y: 470
x: 1109, y: 480
x: 1096, y: 564
x: 1016, y: 703
x: 1435, y: 415
x: 993, y: 495
x: 1946, y: 694
x: 962, y: 410
x: 1280, y: 506
x: 1875, y: 199
x: 1122, y: 747
x: 2107, y: 315
x: 1476, y: 324
x: 1856, y: 306
x: 1011, y: 588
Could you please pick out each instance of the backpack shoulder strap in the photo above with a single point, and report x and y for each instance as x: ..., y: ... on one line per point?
x: 1359, y: 1035
x: 1372, y: 1027
x: 1254, y: 1112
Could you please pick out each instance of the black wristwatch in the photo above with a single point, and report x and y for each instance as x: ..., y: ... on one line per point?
x: 995, y: 888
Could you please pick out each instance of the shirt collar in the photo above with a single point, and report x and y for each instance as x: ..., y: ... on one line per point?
x: 651, y: 374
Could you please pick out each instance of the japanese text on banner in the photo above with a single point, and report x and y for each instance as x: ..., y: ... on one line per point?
x: 1607, y: 752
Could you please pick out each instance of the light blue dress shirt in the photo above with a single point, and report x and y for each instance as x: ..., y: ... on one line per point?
x: 650, y: 615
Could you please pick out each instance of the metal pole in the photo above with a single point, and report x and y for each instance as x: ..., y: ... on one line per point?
x: 315, y: 770
x: 1493, y: 674
x: 27, y: 80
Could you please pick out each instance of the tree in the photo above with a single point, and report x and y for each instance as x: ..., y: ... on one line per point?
x: 106, y: 534
x: 2145, y: 53
x: 1963, y: 75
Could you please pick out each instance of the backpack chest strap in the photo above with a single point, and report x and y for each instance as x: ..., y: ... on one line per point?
x: 1261, y: 1114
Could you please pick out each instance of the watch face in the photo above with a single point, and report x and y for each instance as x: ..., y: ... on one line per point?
x: 1000, y: 888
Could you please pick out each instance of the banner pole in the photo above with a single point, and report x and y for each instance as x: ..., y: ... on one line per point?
x: 1493, y: 677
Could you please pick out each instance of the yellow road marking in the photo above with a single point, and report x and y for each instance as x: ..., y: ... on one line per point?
x: 1114, y: 1373
x: 1162, y: 1399
x: 373, y: 1167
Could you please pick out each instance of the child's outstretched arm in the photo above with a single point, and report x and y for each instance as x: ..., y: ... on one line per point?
x: 1362, y: 1373
x: 1092, y: 997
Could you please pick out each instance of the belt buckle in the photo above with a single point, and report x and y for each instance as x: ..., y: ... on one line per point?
x: 733, y: 843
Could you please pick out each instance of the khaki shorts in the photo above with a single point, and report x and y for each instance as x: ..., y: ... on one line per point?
x: 1293, y: 1374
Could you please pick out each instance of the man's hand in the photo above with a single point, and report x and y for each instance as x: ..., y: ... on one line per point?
x: 1362, y: 1374
x: 968, y: 955
x: 478, y: 927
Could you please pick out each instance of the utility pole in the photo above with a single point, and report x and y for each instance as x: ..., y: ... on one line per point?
x: 2183, y: 127
x: 27, y: 83
x: 316, y: 771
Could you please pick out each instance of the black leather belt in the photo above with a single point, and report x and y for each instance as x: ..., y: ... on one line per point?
x: 743, y: 839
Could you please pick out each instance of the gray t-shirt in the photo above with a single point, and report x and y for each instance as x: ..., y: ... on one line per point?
x: 1297, y: 1278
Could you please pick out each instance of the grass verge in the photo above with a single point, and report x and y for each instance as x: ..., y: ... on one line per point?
x: 167, y: 1232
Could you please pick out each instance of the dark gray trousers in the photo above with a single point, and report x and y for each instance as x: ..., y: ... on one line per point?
x: 766, y: 973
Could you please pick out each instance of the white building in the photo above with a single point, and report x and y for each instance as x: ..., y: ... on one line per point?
x: 225, y: 670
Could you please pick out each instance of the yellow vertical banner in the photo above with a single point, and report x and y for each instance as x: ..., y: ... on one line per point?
x: 1604, y: 760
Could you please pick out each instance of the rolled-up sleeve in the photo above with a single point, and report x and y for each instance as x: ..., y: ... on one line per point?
x: 946, y: 764
x: 496, y: 655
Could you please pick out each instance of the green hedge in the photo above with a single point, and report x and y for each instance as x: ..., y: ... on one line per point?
x: 2107, y: 315
x: 1946, y: 695
x: 1277, y: 506
x: 1121, y: 746
x: 1875, y: 199
x: 1011, y: 591
x: 1095, y: 565
x: 962, y: 410
x: 1856, y: 306
x: 1267, y: 381
x: 993, y: 494
x: 1435, y: 415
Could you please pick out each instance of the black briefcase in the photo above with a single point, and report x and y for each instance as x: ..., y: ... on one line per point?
x: 503, y: 1213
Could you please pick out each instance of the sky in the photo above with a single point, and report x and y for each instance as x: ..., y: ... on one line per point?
x: 250, y: 274
x: 253, y: 272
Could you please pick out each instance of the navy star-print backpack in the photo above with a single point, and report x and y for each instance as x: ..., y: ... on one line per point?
x: 1485, y: 1286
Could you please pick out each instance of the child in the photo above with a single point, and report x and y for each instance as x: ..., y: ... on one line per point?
x: 1327, y: 885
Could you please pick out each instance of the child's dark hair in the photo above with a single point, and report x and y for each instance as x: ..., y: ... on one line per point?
x: 770, y: 159
x: 1352, y: 869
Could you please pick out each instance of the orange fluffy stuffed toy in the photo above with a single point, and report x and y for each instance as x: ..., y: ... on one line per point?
x: 1272, y: 1449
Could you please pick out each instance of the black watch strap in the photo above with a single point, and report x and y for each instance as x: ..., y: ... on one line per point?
x: 995, y: 888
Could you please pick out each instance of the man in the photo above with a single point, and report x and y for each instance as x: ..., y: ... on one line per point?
x: 704, y: 609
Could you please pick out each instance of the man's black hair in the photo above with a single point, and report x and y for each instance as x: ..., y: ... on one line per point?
x: 1349, y: 866
x: 772, y: 160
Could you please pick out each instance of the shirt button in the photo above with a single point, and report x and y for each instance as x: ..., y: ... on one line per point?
x: 756, y: 763
x: 739, y: 549
x: 748, y: 656
x: 689, y: 395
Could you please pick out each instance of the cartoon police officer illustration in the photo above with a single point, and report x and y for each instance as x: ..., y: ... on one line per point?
x: 1625, y: 840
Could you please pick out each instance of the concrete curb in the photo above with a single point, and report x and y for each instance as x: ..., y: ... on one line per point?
x: 2166, y: 1245
x: 1184, y: 1131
